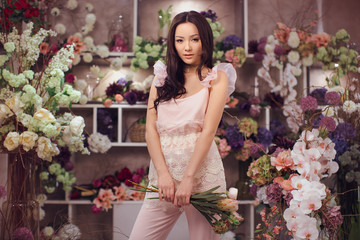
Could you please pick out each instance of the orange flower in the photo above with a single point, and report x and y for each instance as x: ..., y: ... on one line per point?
x: 118, y: 98
x: 78, y: 44
x: 44, y: 48
x: 108, y: 102
x: 228, y: 205
x: 321, y: 39
x: 232, y: 102
x: 282, y: 161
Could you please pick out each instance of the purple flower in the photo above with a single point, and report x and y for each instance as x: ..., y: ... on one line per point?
x: 308, y: 103
x: 96, y: 183
x: 2, y: 191
x: 277, y: 128
x: 264, y: 136
x: 258, y: 57
x: 341, y: 146
x: 95, y: 210
x: 261, y: 48
x: 316, y: 121
x: 232, y: 41
x: 22, y: 233
x: 275, y: 100
x: 122, y: 82
x: 332, y: 218
x: 64, y: 156
x: 209, y: 14
x: 332, y: 98
x: 130, y: 97
x: 288, y: 197
x: 273, y: 193
x: 69, y: 166
x: 328, y: 123
x: 253, y: 44
x: 141, y: 171
x: 255, y: 150
x: 255, y: 100
x: 234, y: 137
x: 343, y: 131
x: 279, y: 50
x: 245, y: 107
x: 319, y: 94
x: 136, y: 178
x: 140, y: 96
x: 263, y: 40
x: 253, y: 190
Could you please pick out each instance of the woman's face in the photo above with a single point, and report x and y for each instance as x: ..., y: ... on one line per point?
x: 188, y: 43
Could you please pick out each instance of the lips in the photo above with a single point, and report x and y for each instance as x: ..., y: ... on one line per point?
x: 188, y: 55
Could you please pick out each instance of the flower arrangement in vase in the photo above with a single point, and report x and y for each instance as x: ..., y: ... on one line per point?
x: 32, y: 128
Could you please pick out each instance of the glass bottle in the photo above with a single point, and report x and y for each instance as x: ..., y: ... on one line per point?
x: 118, y: 40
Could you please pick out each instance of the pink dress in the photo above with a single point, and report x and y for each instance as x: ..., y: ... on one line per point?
x: 179, y: 124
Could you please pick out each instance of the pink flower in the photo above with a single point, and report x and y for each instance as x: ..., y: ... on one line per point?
x: 136, y: 178
x: 308, y: 103
x: 283, y: 160
x: 120, y: 193
x: 118, y: 98
x: 108, y: 102
x: 96, y: 183
x: 255, y: 110
x: 140, y: 171
x: 95, y: 210
x: 22, y: 233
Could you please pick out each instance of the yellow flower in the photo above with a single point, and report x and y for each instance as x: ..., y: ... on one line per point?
x: 12, y: 141
x: 28, y: 140
x: 228, y: 205
x: 44, y: 115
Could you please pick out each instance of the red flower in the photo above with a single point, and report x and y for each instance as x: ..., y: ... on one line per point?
x: 69, y: 78
x: 33, y: 12
x: 54, y: 48
x: 110, y: 181
x: 96, y: 183
x: 8, y: 12
x: 21, y: 4
x: 124, y: 174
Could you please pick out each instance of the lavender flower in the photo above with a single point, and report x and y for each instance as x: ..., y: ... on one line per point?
x: 209, y: 14
x: 263, y: 39
x: 122, y: 82
x: 273, y: 193
x: 253, y: 44
x: 245, y: 107
x: 277, y: 128
x: 328, y: 123
x: 234, y: 137
x: 264, y: 136
x: 22, y: 233
x: 261, y: 48
x: 232, y: 41
x: 341, y: 146
x: 316, y: 121
x: 258, y: 57
x: 319, y: 94
x: 332, y: 98
x: 308, y: 103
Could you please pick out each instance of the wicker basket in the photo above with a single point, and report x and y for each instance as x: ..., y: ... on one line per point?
x: 137, y: 132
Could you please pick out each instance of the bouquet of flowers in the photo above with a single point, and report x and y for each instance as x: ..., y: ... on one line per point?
x: 244, y: 139
x: 219, y: 209
x: 288, y: 182
x: 112, y: 188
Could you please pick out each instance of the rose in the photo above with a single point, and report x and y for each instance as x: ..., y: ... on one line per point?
x: 14, y: 104
x: 12, y: 141
x: 45, y: 149
x: 293, y: 40
x: 293, y: 57
x: 233, y: 193
x: 28, y: 140
x: 44, y: 115
x: 77, y: 125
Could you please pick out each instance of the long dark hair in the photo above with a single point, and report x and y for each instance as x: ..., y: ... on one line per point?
x: 174, y: 83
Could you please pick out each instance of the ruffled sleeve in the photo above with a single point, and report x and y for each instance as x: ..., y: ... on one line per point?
x: 228, y: 69
x: 160, y: 73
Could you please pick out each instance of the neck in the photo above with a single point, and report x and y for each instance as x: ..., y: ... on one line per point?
x: 190, y: 68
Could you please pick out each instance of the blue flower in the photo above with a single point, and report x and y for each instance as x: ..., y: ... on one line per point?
x: 277, y: 128
x: 264, y: 136
x: 232, y: 41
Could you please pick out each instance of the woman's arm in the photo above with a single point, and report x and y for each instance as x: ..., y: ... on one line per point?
x: 165, y: 182
x: 217, y: 100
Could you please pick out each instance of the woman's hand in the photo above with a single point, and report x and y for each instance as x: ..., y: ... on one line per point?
x: 166, y: 187
x: 184, y: 191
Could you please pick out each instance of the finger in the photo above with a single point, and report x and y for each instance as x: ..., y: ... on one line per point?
x: 160, y: 194
x: 172, y: 195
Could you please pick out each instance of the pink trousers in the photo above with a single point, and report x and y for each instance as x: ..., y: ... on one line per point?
x: 155, y: 223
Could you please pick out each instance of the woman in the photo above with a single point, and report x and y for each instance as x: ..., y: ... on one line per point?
x: 185, y: 106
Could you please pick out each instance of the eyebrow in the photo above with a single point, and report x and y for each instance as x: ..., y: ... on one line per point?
x: 196, y: 34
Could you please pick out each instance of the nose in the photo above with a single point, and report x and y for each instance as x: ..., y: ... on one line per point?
x: 187, y: 46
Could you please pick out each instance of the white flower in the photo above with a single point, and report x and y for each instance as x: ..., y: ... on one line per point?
x: 269, y: 48
x: 293, y: 57
x: 117, y: 63
x: 89, y: 7
x: 94, y: 69
x: 77, y: 125
x: 55, y: 11
x: 87, y: 28
x: 80, y: 85
x: 28, y: 140
x: 69, y: 231
x: 44, y: 115
x: 293, y: 40
x: 307, y: 61
x: 338, y: 89
x: 99, y: 143
x: 233, y: 193
x: 41, y: 198
x: 45, y: 149
x: 3, y: 59
x: 349, y: 106
x: 15, y: 104
x: 90, y: 19
x: 72, y: 4
x: 102, y: 51
x: 328, y: 111
x: 60, y: 28
x: 229, y: 235
x: 83, y: 99
x: 88, y: 41
x: 79, y: 35
x: 12, y: 141
x: 9, y: 47
x: 88, y: 57
x: 48, y: 231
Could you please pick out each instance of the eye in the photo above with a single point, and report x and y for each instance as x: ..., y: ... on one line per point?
x: 179, y: 40
x: 196, y: 39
